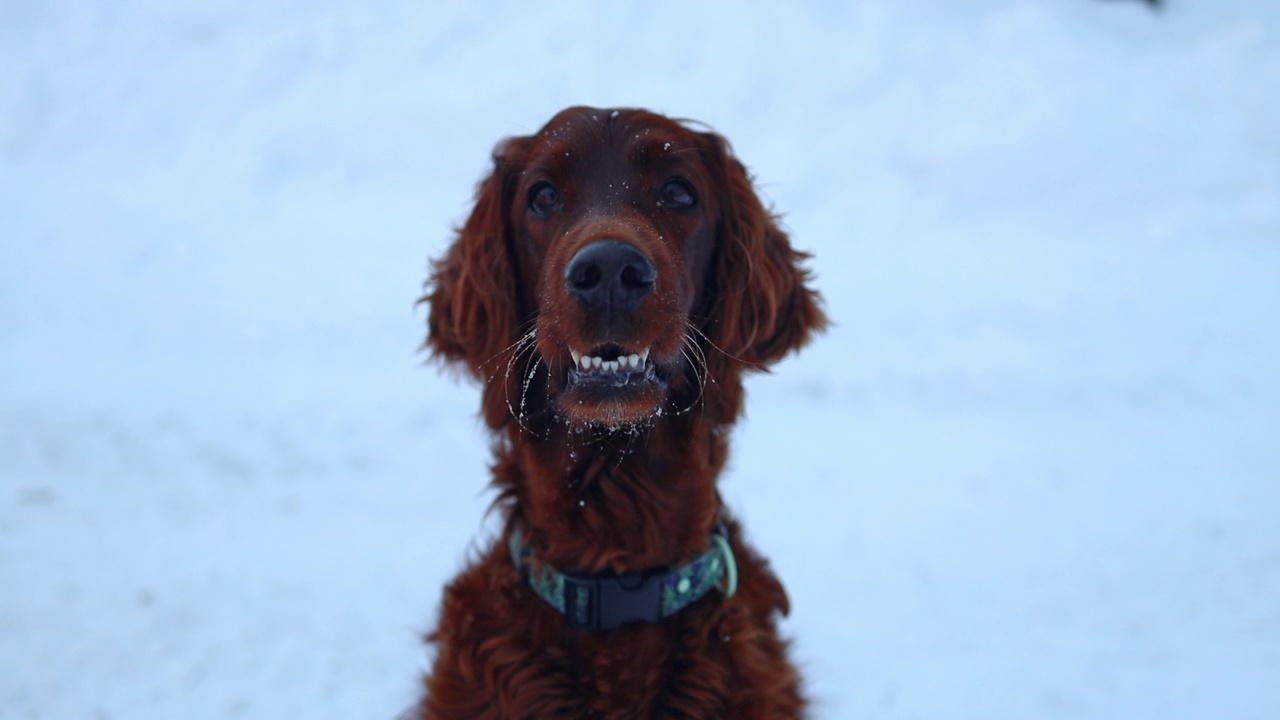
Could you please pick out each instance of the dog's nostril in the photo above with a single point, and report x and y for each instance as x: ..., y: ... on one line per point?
x: 585, y: 277
x: 610, y: 274
x: 639, y: 276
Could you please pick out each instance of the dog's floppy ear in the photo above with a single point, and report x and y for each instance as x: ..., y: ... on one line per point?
x: 473, y: 290
x: 763, y: 306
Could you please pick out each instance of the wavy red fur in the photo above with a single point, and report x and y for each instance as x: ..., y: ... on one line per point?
x: 617, y: 477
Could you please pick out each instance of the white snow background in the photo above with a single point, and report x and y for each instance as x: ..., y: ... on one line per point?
x: 1030, y: 473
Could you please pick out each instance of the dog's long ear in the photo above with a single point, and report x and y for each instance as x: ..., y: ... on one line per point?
x: 763, y: 306
x: 473, y: 290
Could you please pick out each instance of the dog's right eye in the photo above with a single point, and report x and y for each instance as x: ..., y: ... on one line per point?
x: 677, y: 194
x: 544, y: 199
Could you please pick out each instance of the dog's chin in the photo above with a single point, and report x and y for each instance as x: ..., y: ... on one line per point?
x: 618, y: 411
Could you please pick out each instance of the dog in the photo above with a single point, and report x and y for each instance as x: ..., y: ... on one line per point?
x: 616, y: 279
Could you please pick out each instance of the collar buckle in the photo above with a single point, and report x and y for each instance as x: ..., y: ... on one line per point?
x: 605, y: 602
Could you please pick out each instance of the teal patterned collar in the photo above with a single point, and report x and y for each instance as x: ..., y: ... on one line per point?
x: 605, y: 601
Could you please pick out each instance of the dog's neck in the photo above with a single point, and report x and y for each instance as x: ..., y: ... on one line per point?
x: 625, y: 500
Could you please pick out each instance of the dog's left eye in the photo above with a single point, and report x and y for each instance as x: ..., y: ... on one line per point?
x: 544, y: 199
x: 677, y: 194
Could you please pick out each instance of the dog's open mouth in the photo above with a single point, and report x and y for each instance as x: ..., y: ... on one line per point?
x: 611, y: 366
x: 613, y: 384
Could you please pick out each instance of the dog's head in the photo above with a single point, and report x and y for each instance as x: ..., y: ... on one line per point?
x: 617, y: 266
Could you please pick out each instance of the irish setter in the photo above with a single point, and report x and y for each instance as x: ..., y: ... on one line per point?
x: 615, y: 280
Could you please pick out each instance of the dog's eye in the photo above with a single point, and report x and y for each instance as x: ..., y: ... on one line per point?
x: 677, y: 194
x: 544, y: 199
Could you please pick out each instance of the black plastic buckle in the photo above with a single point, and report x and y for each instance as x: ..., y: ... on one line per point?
x: 604, y: 602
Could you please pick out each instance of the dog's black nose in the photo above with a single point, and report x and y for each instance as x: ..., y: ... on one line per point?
x: 610, y: 275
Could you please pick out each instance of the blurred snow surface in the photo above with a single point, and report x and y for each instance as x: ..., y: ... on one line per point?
x: 1030, y: 473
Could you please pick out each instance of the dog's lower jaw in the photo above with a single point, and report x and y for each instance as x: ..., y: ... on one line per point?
x: 613, y: 400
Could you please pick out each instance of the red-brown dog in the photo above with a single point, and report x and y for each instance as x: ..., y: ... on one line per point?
x: 617, y: 277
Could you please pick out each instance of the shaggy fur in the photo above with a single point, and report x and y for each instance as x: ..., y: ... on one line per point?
x: 604, y: 478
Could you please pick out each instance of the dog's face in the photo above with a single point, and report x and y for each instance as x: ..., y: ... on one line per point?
x: 617, y: 259
x: 614, y: 223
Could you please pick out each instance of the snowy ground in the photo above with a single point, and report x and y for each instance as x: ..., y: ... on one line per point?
x: 1031, y: 473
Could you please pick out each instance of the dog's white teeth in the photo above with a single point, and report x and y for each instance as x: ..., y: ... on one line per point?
x: 644, y: 355
x: 622, y: 362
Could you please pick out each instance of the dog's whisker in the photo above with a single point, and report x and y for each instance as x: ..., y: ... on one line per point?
x: 696, y: 347
x: 700, y: 372
x: 719, y: 349
x: 531, y: 333
x: 527, y: 343
x: 693, y: 345
x: 524, y: 388
x: 535, y: 361
x: 513, y: 352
